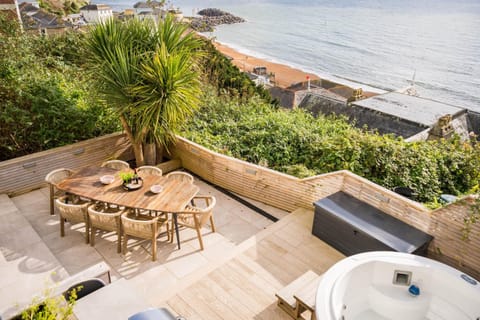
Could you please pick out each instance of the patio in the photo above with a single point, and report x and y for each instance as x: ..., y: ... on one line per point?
x: 236, y: 276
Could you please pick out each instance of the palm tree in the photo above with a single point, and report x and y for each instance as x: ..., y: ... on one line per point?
x: 147, y: 73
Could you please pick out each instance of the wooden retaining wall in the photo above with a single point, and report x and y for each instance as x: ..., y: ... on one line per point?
x: 26, y: 173
x: 288, y: 193
x: 271, y: 187
x: 448, y: 230
x: 410, y: 212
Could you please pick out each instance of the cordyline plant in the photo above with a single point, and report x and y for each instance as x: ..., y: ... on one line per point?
x: 147, y: 73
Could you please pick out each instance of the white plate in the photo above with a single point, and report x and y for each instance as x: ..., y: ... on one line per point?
x: 156, y: 188
x: 107, y: 179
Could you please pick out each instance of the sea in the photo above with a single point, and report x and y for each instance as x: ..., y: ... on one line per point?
x: 374, y: 44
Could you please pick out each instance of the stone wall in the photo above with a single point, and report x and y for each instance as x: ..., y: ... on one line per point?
x: 317, y: 104
x: 285, y: 97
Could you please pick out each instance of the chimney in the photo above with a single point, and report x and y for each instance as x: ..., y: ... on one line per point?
x: 442, y: 129
x: 356, y: 95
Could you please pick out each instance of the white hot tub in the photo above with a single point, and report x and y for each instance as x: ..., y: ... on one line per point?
x: 377, y: 285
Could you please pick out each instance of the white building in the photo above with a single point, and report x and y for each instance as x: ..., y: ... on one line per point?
x: 94, y: 13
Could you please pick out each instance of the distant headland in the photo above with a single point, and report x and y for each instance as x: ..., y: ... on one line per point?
x: 211, y: 17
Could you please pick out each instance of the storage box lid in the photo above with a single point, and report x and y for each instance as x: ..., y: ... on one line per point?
x: 395, y: 233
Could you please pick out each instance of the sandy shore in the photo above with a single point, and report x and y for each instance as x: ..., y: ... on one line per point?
x: 284, y: 75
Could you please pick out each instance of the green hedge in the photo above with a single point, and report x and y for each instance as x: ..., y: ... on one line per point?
x: 297, y: 143
x: 46, y: 100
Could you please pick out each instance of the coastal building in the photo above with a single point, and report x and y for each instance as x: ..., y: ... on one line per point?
x: 154, y: 15
x: 411, y: 117
x: 332, y: 93
x: 127, y: 14
x: 426, y: 119
x: 76, y: 20
x: 36, y: 19
x: 94, y: 13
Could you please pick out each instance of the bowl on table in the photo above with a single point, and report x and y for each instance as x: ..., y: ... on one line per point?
x: 107, y: 179
x: 156, y: 188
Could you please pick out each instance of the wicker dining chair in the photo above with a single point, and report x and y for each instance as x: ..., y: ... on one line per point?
x: 53, y: 178
x: 179, y: 175
x: 116, y: 164
x: 150, y: 170
x: 196, y: 217
x: 73, y: 210
x: 106, y: 218
x: 143, y: 227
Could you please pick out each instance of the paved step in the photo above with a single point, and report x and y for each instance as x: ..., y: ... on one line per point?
x: 27, y: 265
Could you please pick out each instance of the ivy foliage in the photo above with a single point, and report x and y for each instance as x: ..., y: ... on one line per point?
x: 45, y: 98
x: 295, y: 142
x: 220, y: 72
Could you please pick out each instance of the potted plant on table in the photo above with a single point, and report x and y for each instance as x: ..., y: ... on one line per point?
x: 126, y: 177
x: 131, y: 181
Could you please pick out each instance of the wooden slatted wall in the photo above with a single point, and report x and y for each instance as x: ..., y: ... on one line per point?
x: 26, y: 173
x: 256, y: 182
x: 408, y: 211
x: 288, y: 193
x: 448, y: 230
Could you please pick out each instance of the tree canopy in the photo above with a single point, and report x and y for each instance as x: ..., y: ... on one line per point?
x: 148, y: 74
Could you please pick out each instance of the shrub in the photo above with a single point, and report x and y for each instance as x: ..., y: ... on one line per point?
x: 220, y: 72
x: 295, y: 142
x: 45, y: 98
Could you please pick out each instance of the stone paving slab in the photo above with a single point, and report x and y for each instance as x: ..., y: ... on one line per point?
x: 29, y: 216
x: 27, y: 266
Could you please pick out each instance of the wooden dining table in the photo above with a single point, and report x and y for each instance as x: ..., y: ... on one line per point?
x: 174, y: 197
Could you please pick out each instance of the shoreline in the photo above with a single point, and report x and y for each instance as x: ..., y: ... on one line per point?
x: 285, y: 75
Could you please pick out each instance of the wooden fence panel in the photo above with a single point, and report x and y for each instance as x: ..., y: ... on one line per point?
x: 449, y: 244
x: 256, y: 182
x: 26, y: 173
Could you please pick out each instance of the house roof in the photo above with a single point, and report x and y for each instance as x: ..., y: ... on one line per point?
x: 34, y: 17
x: 27, y: 7
x: 415, y: 109
x: 95, y: 7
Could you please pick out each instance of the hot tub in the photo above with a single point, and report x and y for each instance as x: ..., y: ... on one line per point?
x: 396, y: 286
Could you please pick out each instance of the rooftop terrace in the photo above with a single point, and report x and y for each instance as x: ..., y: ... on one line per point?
x: 244, y: 263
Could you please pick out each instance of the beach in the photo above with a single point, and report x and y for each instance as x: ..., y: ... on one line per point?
x: 285, y: 76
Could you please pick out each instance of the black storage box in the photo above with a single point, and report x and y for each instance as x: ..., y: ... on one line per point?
x: 352, y: 226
